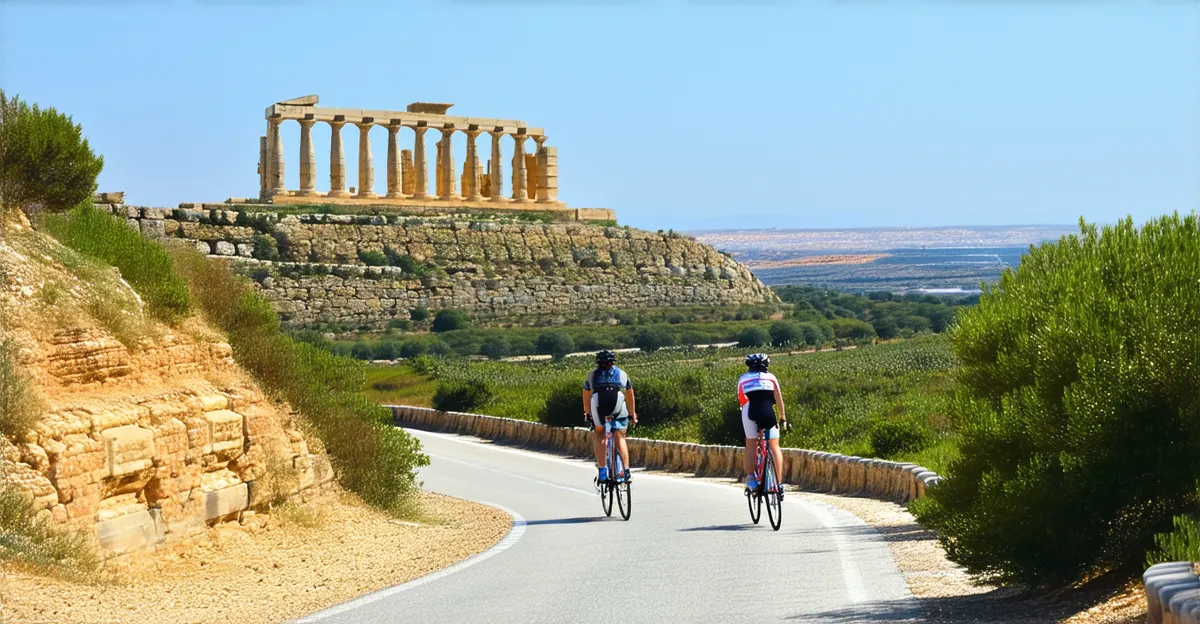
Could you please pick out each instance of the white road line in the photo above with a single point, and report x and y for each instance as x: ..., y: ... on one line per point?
x: 855, y: 589
x: 510, y: 474
x: 514, y: 534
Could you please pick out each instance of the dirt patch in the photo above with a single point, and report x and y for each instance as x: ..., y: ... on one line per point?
x: 948, y: 595
x: 269, y: 569
x: 814, y: 260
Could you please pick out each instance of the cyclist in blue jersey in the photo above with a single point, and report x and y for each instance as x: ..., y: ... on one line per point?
x: 607, y: 391
x: 758, y: 394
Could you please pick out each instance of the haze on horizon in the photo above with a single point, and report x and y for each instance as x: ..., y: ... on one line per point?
x: 687, y: 116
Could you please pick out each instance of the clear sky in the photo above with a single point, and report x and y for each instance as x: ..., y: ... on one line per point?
x: 684, y: 115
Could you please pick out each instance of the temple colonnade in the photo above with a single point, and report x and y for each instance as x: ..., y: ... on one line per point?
x: 534, y: 176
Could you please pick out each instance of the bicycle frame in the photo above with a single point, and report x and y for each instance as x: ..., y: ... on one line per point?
x: 760, y: 457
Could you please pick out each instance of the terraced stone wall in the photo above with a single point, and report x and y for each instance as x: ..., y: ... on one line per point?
x: 311, y: 265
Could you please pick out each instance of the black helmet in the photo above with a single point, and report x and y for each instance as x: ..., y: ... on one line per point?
x: 606, y: 358
x: 758, y: 362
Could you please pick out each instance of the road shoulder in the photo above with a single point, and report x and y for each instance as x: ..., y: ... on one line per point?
x: 268, y: 569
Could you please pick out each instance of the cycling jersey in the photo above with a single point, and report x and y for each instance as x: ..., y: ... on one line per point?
x: 756, y: 395
x: 608, y: 386
x: 754, y: 382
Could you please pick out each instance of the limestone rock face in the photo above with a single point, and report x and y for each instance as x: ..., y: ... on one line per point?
x: 489, y: 268
x: 135, y: 444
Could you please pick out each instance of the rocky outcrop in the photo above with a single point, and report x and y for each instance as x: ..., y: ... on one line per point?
x: 138, y: 441
x: 311, y: 265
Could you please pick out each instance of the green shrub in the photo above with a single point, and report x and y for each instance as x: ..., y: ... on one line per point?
x: 753, y: 336
x: 371, y: 457
x: 20, y: 406
x: 372, y: 258
x: 891, y: 437
x: 1181, y: 544
x: 557, y: 344
x: 450, y: 320
x: 143, y: 263
x: 564, y: 405
x: 785, y: 333
x: 816, y: 334
x: 723, y: 425
x: 265, y: 247
x: 663, y: 402
x: 401, y: 324
x: 457, y: 396
x: 653, y: 338
x: 494, y: 347
x: 35, y: 545
x: 407, y: 263
x: 852, y: 329
x: 1077, y: 405
x: 418, y: 314
x: 44, y: 158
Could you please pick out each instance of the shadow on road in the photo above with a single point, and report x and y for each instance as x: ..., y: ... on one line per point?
x: 723, y: 527
x: 580, y: 520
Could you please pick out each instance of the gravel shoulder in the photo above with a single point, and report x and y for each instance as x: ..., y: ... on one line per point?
x: 268, y: 569
x: 948, y: 595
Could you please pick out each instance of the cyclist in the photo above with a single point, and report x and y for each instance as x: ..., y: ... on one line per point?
x: 758, y: 393
x: 607, y: 391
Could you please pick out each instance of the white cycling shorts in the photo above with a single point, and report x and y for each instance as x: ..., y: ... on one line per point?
x: 750, y: 428
x: 620, y: 417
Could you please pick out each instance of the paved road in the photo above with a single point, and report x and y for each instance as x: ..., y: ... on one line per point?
x: 688, y: 554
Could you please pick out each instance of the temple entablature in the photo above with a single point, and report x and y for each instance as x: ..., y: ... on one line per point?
x: 533, y: 179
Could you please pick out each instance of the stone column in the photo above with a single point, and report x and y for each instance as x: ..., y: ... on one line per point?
x: 547, y: 181
x: 366, y: 170
x: 497, y: 176
x: 449, y: 184
x: 471, y: 186
x: 519, y: 193
x: 337, y: 161
x: 395, y: 175
x: 421, y: 191
x: 308, y: 159
x: 276, y: 161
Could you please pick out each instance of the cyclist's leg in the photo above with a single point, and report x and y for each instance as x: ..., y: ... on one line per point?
x: 598, y: 437
x: 751, y: 432
x: 622, y: 447
x: 776, y: 453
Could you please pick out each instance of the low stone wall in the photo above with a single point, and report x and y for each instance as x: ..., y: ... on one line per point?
x: 810, y: 470
x: 1172, y: 593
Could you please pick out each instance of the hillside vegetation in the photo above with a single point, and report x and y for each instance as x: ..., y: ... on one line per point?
x: 1078, y: 405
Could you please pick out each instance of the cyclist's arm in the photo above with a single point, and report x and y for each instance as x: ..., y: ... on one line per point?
x: 587, y: 402
x: 779, y: 402
x: 631, y: 403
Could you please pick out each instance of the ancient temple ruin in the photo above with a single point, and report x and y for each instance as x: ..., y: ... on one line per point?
x: 533, y: 183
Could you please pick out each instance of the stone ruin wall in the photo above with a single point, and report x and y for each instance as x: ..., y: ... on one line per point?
x: 488, y: 269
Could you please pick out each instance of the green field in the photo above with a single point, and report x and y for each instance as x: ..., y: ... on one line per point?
x: 887, y: 400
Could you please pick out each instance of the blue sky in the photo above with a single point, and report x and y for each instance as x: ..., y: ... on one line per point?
x: 684, y: 115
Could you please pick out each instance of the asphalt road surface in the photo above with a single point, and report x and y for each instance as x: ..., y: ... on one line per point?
x: 689, y: 553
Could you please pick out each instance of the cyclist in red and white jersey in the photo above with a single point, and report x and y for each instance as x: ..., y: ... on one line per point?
x: 758, y: 394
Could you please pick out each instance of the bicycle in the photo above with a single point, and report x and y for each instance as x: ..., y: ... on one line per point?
x: 768, y: 486
x: 610, y: 487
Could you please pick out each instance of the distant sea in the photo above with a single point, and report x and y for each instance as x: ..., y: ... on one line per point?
x: 935, y: 260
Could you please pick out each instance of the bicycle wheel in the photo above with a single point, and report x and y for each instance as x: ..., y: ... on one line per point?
x: 606, y: 487
x: 624, y: 501
x: 754, y: 499
x: 771, y: 492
